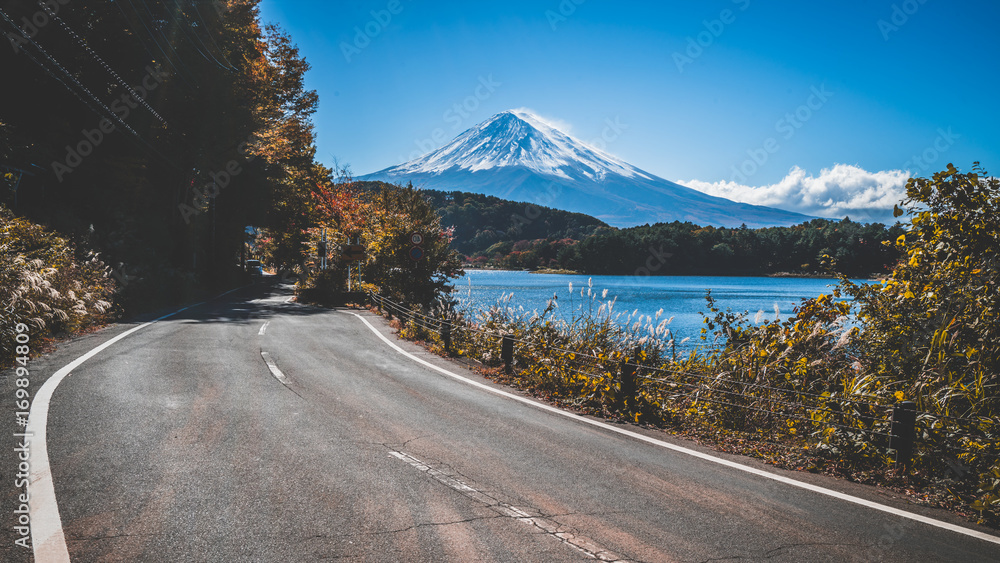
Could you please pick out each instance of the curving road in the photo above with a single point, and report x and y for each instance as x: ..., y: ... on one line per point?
x: 254, y: 429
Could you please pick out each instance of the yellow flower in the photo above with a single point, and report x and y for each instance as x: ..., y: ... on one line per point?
x: 899, y: 395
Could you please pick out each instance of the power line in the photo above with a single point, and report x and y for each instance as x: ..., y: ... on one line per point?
x: 80, y: 41
x: 109, y: 112
x: 155, y: 42
x: 57, y: 79
x: 67, y: 73
x: 152, y: 20
x: 208, y: 32
x: 87, y: 104
x: 139, y: 37
x: 190, y: 29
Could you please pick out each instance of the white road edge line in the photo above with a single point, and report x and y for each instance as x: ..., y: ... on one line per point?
x: 263, y: 327
x: 277, y: 373
x: 707, y: 457
x: 580, y: 543
x: 48, y: 542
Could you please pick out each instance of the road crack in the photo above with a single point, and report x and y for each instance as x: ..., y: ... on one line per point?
x: 97, y: 538
x: 774, y: 552
x: 544, y: 524
x: 428, y: 525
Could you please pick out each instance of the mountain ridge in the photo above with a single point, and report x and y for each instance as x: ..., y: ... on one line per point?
x: 516, y: 155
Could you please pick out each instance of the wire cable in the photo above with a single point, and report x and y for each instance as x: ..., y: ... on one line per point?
x: 152, y: 37
x: 109, y: 112
x: 83, y: 44
x: 190, y: 29
x: 68, y: 74
x: 208, y: 32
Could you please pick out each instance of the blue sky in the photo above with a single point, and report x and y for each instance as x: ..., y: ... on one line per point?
x: 758, y: 101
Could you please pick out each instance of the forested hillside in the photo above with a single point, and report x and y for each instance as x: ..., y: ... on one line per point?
x: 482, y: 221
x: 684, y: 248
x: 492, y: 232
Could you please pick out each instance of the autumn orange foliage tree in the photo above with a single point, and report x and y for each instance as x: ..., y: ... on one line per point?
x: 412, y: 273
x: 385, y: 218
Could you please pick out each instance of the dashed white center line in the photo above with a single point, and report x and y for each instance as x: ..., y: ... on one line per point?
x: 263, y: 328
x: 277, y: 373
x: 549, y: 526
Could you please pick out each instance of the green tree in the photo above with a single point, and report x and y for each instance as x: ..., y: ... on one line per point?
x: 934, y: 324
x: 398, y: 213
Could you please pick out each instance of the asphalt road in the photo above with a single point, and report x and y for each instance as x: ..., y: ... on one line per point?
x: 180, y: 443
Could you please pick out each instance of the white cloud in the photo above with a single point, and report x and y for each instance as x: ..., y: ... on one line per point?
x: 844, y: 190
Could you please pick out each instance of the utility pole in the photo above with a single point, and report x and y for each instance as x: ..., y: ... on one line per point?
x: 212, y: 206
x: 322, y: 251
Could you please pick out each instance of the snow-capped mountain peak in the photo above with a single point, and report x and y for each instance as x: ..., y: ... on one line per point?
x: 518, y: 156
x: 518, y: 138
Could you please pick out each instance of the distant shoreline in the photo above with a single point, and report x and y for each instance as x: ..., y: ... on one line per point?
x: 813, y: 275
x: 554, y: 271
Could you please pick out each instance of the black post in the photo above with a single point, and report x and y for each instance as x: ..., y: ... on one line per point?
x: 626, y: 387
x: 446, y: 337
x: 507, y: 352
x: 903, y: 432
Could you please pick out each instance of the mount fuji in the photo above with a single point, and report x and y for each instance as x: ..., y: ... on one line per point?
x: 515, y: 155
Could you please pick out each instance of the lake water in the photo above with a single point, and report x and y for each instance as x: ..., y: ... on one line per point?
x: 681, y: 297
